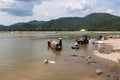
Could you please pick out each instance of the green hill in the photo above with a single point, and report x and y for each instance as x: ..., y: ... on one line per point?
x: 91, y: 22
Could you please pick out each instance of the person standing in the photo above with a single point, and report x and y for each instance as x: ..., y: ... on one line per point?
x: 49, y: 43
x: 60, y: 42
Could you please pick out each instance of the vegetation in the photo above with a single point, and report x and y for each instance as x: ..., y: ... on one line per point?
x: 92, y: 22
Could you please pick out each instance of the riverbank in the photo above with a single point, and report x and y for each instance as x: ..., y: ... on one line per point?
x: 56, y: 32
x: 114, y: 53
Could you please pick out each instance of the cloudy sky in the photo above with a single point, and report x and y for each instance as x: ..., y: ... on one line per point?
x: 13, y: 11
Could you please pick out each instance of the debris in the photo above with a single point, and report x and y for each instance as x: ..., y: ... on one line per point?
x: 46, y: 61
x: 52, y: 62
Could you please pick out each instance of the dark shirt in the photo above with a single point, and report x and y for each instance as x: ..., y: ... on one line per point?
x: 60, y: 43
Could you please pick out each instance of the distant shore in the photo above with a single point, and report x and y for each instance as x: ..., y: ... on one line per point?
x: 58, y: 32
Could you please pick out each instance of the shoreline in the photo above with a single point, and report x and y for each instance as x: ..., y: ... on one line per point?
x: 112, y: 55
x: 58, y: 32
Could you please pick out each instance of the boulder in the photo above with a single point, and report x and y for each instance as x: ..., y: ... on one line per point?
x: 98, y: 71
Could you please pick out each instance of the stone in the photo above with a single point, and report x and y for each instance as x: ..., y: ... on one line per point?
x: 46, y: 61
x: 88, y: 57
x: 98, y: 71
x: 108, y: 75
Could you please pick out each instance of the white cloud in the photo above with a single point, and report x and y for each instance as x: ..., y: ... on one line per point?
x: 26, y: 10
x: 6, y: 3
x: 49, y: 10
x: 109, y: 11
x: 66, y: 8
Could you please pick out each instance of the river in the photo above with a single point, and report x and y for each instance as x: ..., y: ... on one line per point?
x: 22, y: 58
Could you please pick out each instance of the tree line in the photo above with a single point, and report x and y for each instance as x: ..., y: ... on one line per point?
x: 91, y: 22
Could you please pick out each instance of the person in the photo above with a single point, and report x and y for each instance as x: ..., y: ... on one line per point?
x: 76, y: 44
x: 48, y: 43
x: 60, y: 42
x: 101, y: 37
x: 101, y: 48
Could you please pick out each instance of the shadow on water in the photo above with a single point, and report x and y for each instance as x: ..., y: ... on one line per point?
x: 56, y: 52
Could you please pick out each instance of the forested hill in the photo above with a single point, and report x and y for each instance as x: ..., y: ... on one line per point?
x: 91, y: 22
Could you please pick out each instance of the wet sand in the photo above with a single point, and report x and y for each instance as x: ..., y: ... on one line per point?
x: 76, y: 70
x: 73, y: 68
x: 112, y: 55
x: 111, y: 58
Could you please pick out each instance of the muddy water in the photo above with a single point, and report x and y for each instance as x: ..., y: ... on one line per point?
x: 22, y: 58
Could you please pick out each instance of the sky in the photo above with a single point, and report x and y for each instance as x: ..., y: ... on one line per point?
x: 14, y: 11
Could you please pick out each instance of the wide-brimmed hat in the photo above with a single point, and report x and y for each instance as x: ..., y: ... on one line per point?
x: 60, y: 38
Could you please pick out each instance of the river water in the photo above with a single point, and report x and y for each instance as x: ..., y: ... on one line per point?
x: 22, y: 58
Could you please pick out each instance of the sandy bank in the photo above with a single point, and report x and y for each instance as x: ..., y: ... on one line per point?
x: 113, y: 56
x: 55, y: 32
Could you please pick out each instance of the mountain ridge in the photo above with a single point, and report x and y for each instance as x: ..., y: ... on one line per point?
x: 91, y: 22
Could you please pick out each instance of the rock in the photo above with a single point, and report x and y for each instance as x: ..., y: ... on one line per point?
x: 92, y: 62
x: 89, y: 62
x: 116, y: 77
x: 74, y: 55
x: 108, y: 75
x: 46, y: 61
x: 118, y: 60
x: 83, y: 56
x: 98, y: 71
x: 88, y: 57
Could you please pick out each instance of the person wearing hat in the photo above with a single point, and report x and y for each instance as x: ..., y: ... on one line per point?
x: 49, y: 43
x: 60, y: 42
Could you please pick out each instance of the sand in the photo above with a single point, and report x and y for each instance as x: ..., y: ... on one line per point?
x: 112, y: 56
